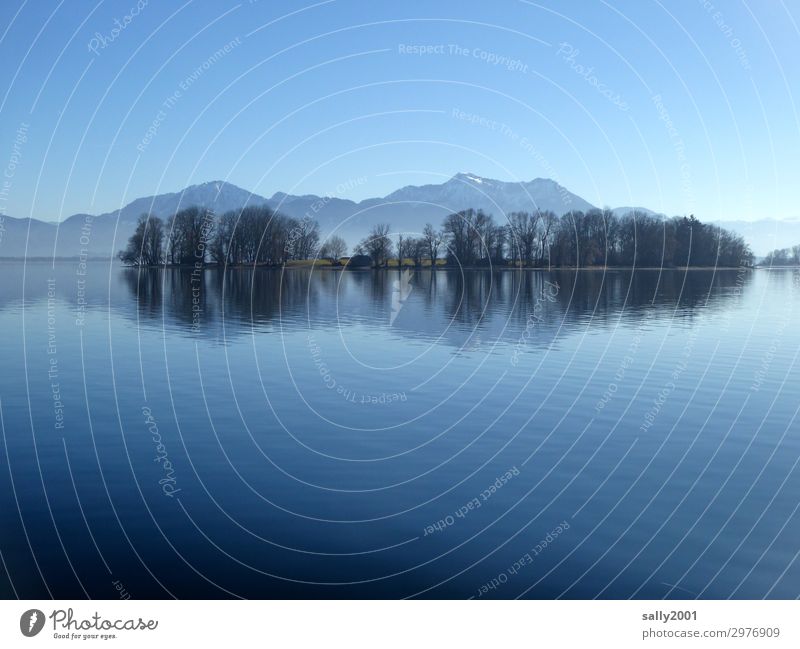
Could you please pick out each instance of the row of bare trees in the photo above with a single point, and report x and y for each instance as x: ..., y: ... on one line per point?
x: 784, y: 257
x: 576, y: 239
x: 599, y: 237
x: 378, y: 245
x: 252, y: 235
x: 259, y: 235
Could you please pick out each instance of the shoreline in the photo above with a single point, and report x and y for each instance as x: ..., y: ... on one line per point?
x: 324, y: 265
x: 329, y: 267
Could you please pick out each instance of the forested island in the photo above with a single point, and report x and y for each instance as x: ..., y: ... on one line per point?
x: 258, y: 235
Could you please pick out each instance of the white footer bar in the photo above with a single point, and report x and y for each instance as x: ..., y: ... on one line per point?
x: 383, y: 624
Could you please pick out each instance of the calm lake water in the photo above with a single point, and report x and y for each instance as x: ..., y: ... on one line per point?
x: 373, y: 434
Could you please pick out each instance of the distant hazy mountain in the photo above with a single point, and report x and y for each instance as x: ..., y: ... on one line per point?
x: 105, y: 234
x: 622, y: 211
x: 407, y: 209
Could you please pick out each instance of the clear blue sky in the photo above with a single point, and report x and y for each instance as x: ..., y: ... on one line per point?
x: 688, y: 106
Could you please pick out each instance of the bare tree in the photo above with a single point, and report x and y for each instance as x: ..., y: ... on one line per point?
x: 433, y: 240
x: 418, y: 248
x: 145, y: 244
x: 334, y: 248
x: 305, y: 235
x: 459, y: 230
x: 403, y: 249
x: 497, y: 243
x: 378, y: 245
x: 549, y: 221
x: 482, y: 236
x: 524, y: 229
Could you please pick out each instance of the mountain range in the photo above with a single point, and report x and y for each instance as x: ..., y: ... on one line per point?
x: 407, y: 209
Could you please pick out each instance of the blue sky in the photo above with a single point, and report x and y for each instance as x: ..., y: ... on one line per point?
x: 681, y: 107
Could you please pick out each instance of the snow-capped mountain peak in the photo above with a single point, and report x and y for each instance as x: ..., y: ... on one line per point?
x: 470, y: 177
